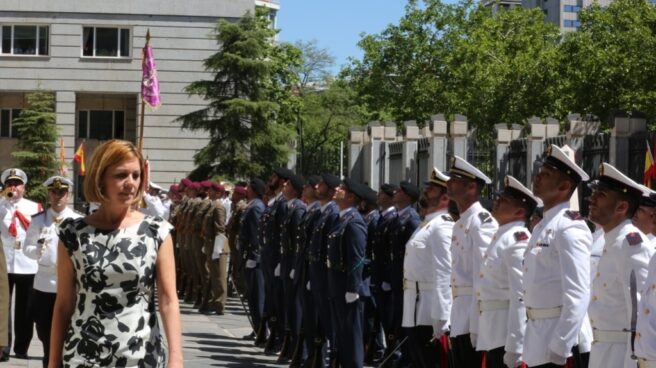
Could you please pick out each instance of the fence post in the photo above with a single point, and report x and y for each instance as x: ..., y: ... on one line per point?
x: 534, y: 145
x: 438, y: 143
x: 389, y: 136
x: 625, y: 126
x: 376, y: 134
x: 578, y: 128
x: 458, y: 128
x: 355, y: 163
x: 410, y: 149
x: 505, y: 135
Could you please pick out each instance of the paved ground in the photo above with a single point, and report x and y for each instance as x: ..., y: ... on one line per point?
x: 208, y: 341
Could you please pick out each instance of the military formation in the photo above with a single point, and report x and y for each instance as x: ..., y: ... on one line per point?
x: 334, y: 273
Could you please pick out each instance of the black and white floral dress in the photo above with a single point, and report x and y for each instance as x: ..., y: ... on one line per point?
x: 114, y: 323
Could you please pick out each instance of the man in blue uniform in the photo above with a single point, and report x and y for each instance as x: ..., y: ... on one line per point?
x: 249, y: 247
x: 346, y: 289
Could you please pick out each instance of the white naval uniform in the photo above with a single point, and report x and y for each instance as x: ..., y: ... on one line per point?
x: 472, y: 234
x: 427, y: 267
x: 502, y: 284
x: 585, y: 335
x: 43, y: 230
x: 626, y: 249
x: 17, y: 262
x: 645, y: 339
x: 154, y: 206
x: 556, y: 275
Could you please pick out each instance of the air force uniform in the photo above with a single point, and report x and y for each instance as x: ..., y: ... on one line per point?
x: 556, y: 275
x: 624, y: 260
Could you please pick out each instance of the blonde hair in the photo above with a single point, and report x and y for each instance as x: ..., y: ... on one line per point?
x: 111, y: 153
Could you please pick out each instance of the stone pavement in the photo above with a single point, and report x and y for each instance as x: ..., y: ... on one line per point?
x: 207, y: 341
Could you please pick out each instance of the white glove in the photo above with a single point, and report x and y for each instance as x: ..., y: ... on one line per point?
x: 386, y: 286
x: 351, y: 297
x: 473, y: 337
x: 251, y: 263
x: 291, y: 274
x: 512, y: 360
x: 308, y: 286
x: 556, y: 359
x: 276, y: 272
x: 440, y: 327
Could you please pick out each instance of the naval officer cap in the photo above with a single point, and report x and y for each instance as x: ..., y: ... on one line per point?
x: 371, y: 197
x: 312, y: 180
x: 155, y: 186
x: 360, y: 190
x: 648, y: 198
x: 389, y: 189
x: 560, y: 161
x: 297, y: 182
x: 437, y: 178
x: 410, y: 190
x: 13, y: 173
x: 331, y: 180
x: 258, y: 186
x: 284, y: 173
x: 514, y: 188
x: 463, y: 169
x: 58, y: 182
x: 613, y: 179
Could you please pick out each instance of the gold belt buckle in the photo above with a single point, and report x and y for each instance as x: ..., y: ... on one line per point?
x: 17, y: 244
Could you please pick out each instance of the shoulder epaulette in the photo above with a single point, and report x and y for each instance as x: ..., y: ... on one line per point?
x: 521, y: 236
x: 634, y: 238
x: 485, y: 217
x: 573, y: 215
x: 447, y: 218
x: 39, y: 213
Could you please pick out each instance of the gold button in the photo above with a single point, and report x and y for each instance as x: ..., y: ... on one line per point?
x: 646, y: 310
x: 481, y: 275
x: 605, y: 285
x: 594, y: 298
x: 653, y: 286
x: 597, y: 275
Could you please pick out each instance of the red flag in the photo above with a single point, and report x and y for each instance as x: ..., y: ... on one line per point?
x: 650, y: 167
x: 79, y: 158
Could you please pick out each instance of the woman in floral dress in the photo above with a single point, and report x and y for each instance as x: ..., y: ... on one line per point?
x: 109, y: 264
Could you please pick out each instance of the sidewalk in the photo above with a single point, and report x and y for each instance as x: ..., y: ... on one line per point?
x: 207, y: 341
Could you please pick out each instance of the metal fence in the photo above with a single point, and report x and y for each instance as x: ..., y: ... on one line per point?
x: 396, y: 168
x: 516, y: 159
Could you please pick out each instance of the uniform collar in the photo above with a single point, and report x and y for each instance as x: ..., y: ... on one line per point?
x: 323, y: 208
x: 615, y: 231
x: 548, y: 215
x: 503, y: 228
x: 345, y: 212
x: 314, y: 205
x: 388, y: 210
x: 404, y: 211
x: 473, y: 209
x: 371, y: 213
x: 433, y: 215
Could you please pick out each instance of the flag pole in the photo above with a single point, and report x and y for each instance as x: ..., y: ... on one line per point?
x: 143, y: 103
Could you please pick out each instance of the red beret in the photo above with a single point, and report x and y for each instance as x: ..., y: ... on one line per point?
x: 194, y: 185
x: 186, y: 182
x: 218, y: 187
x: 206, y: 184
x: 240, y: 190
x: 174, y: 188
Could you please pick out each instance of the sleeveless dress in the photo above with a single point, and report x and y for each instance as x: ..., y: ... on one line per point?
x: 114, y: 323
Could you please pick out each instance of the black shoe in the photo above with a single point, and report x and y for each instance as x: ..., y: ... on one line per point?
x: 208, y: 312
x: 250, y: 336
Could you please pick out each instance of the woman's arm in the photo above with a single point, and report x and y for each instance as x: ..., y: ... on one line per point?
x: 64, y: 305
x: 168, y: 302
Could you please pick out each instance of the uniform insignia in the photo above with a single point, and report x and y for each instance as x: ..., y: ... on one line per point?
x: 485, y: 217
x: 447, y: 218
x: 542, y: 245
x: 573, y: 215
x: 521, y: 236
x: 634, y: 238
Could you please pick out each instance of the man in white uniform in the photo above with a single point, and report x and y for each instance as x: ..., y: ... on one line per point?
x: 502, y: 318
x: 556, y: 266
x: 41, y: 245
x: 646, y: 214
x: 16, y: 212
x: 645, y: 334
x: 427, y: 273
x: 622, y: 268
x: 472, y: 234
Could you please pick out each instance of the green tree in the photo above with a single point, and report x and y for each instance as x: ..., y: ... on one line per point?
x: 250, y: 112
x: 37, y: 142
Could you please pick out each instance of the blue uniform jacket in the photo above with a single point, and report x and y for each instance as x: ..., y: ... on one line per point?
x: 306, y: 229
x: 271, y: 235
x: 371, y: 220
x: 401, y: 231
x: 317, y: 248
x: 291, y: 234
x: 249, y: 244
x: 380, y: 256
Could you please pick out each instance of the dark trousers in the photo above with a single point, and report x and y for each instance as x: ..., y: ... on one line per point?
x: 23, y: 328
x: 424, y: 353
x: 347, y: 319
x: 372, y: 328
x: 42, y: 306
x: 464, y: 354
x: 255, y: 294
x: 494, y: 358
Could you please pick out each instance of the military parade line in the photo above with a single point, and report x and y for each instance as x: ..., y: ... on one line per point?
x: 335, y: 274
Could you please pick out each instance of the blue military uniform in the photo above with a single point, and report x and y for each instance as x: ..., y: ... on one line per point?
x: 250, y: 250
x: 381, y: 263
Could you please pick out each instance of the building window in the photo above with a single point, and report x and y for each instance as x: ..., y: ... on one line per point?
x: 24, y: 40
x: 569, y: 23
x: 101, y: 124
x: 572, y: 8
x: 7, y: 117
x: 105, y: 42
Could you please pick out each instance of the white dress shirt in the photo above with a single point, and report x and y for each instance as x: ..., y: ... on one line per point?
x: 556, y: 274
x: 41, y: 245
x: 17, y: 262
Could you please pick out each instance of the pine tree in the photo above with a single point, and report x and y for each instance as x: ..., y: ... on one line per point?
x: 37, y: 142
x: 251, y: 106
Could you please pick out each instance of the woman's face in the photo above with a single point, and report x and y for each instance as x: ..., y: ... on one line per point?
x: 121, y: 182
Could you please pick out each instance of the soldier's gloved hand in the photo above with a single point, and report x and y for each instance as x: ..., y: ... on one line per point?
x: 440, y: 327
x: 473, y: 337
x: 386, y: 286
x: 512, y: 360
x: 351, y: 297
x: 251, y: 263
x: 276, y: 272
x: 308, y: 286
x: 556, y: 359
x: 291, y: 274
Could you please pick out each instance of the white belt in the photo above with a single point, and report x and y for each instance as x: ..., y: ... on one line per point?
x: 462, y: 290
x: 492, y: 305
x: 417, y: 285
x: 543, y: 313
x: 643, y: 363
x: 609, y: 336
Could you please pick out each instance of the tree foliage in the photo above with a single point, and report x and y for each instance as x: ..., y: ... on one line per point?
x: 37, y: 142
x: 251, y: 107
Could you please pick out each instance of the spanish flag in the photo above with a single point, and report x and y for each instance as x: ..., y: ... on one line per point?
x: 79, y: 158
x: 650, y: 167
